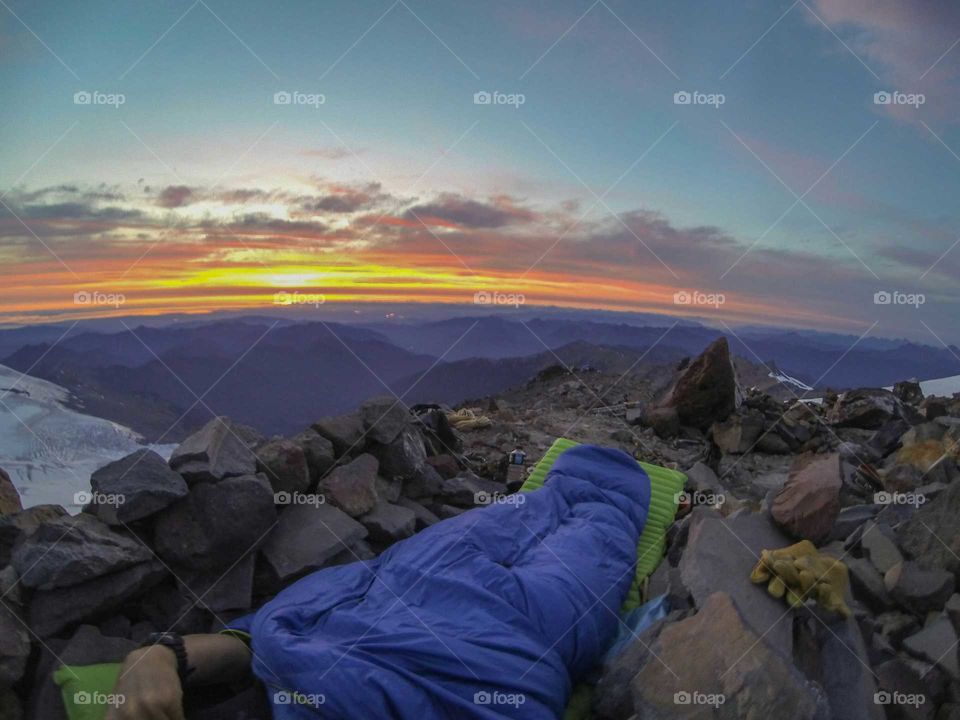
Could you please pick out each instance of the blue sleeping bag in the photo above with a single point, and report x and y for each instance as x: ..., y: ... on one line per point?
x: 491, y: 614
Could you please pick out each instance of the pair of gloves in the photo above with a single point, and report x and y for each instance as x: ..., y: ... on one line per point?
x: 799, y: 572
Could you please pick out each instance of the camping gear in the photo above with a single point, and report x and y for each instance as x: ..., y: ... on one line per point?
x: 486, y: 615
x: 87, y: 690
x: 798, y: 572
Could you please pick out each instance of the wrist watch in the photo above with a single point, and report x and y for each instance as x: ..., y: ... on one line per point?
x: 174, y: 641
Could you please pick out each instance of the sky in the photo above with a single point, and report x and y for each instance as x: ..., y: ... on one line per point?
x: 793, y: 164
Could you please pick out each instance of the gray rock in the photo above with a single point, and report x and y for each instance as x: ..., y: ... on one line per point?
x: 702, y: 478
x: 284, y: 462
x: 221, y: 591
x: 889, y: 437
x: 720, y: 555
x: 444, y: 511
x: 213, y: 453
x: 388, y: 490
x: 932, y: 534
x: 917, y: 589
x: 141, y: 483
x: 360, y: 551
x: 896, y: 625
x: 952, y: 608
x: 306, y: 537
x: 388, y: 523
x: 14, y: 638
x: 318, y: 452
x: 346, y: 432
x: 851, y: 518
x: 923, y: 432
x: 216, y: 524
x: 53, y: 610
x: 353, y: 487
x: 427, y: 483
x: 937, y: 644
x: 898, y: 677
x: 903, y: 478
x: 867, y: 408
x: 9, y: 497
x: 867, y: 583
x: 403, y: 458
x: 69, y: 550
x: 468, y: 490
x: 877, y: 543
x: 738, y: 433
x: 384, y: 418
x: 19, y: 526
x: 424, y: 517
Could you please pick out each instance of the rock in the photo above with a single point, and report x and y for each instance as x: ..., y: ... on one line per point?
x: 444, y: 512
x: 213, y: 453
x: 878, y: 546
x: 809, y: 503
x: 216, y: 524
x: 952, y: 609
x: 868, y: 408
x: 922, y: 433
x: 898, y: 679
x: 772, y: 444
x: 701, y: 478
x: 934, y: 407
x: 634, y: 415
x: 937, y: 644
x: 716, y: 656
x: 306, y: 537
x: 719, y: 556
x: 318, y: 451
x: 916, y: 589
x: 467, y: 490
x: 664, y: 421
x: 346, y: 432
x: 908, y: 391
x: 424, y: 517
x: 53, y: 610
x: 388, y: 523
x: 388, y: 490
x: 889, y: 437
x: 10, y: 706
x: 427, y: 483
x: 18, y: 526
x: 284, y: 462
x: 360, y: 551
x: 867, y: 583
x: 851, y: 518
x: 69, y: 550
x: 384, y: 418
x: 134, y: 487
x: 932, y: 534
x: 707, y: 390
x: 353, y: 487
x: 220, y: 591
x: 9, y: 497
x: 903, y: 479
x: 738, y: 433
x: 14, y: 638
x: 249, y: 436
x: 403, y: 458
x: 446, y: 465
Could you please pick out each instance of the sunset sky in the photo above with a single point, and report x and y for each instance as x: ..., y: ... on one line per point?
x: 182, y: 185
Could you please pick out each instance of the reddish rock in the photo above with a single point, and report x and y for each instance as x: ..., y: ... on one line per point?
x: 707, y: 391
x: 809, y: 502
x: 9, y: 497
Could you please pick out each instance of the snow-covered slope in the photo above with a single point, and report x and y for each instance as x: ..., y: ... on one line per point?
x: 49, y: 450
x: 944, y: 387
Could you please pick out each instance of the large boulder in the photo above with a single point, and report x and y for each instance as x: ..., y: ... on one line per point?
x: 307, y: 537
x: 403, y: 458
x: 384, y: 418
x: 140, y: 485
x: 866, y: 408
x: 70, y: 550
x: 213, y: 453
x: 353, y: 487
x: 219, y: 590
x: 284, y: 462
x: 937, y: 644
x: 18, y: 526
x: 346, y: 432
x: 808, y: 504
x: 9, y: 497
x: 318, y: 451
x: 388, y: 523
x: 14, y: 638
x: 932, y: 534
x: 716, y: 665
x: 216, y: 523
x: 707, y: 390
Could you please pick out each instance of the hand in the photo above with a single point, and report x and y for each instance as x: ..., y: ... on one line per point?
x: 149, y: 687
x: 799, y: 571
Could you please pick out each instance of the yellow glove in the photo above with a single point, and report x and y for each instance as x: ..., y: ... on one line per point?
x: 799, y: 571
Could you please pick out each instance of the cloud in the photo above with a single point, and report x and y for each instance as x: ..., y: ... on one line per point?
x: 339, y: 199
x: 462, y: 212
x: 174, y: 196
